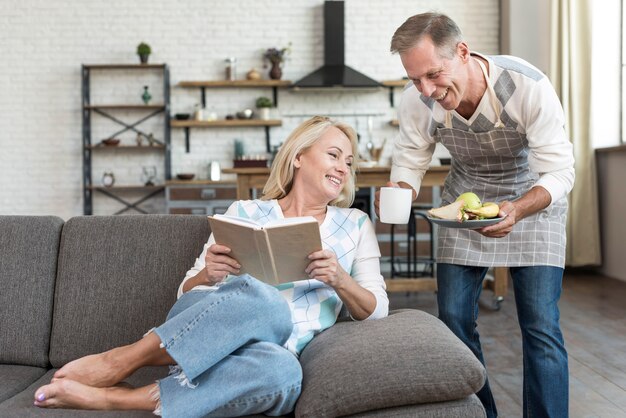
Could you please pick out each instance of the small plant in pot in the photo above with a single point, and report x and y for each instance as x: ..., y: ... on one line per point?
x: 143, y: 50
x: 264, y: 104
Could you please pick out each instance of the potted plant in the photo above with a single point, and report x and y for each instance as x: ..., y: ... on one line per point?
x: 276, y: 57
x: 143, y: 50
x: 264, y: 104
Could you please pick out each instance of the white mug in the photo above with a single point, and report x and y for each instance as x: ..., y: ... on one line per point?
x: 395, y: 205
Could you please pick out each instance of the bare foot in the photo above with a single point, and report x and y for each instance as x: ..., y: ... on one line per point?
x: 66, y: 393
x: 97, y: 370
x: 111, y: 367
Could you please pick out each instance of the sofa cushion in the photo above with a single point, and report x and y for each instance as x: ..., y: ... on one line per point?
x: 408, y: 358
x: 29, y: 247
x: 469, y: 407
x: 22, y: 406
x: 14, y: 379
x: 117, y: 278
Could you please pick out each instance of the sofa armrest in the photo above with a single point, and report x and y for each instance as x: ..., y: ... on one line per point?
x: 408, y: 358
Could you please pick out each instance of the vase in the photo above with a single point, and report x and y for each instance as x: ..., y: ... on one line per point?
x: 143, y: 58
x: 276, y: 72
x: 146, y: 96
x: 264, y: 113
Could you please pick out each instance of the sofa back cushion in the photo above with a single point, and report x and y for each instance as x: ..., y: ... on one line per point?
x: 28, y: 263
x: 118, y: 277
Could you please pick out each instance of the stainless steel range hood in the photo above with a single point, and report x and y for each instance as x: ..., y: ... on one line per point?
x: 334, y: 73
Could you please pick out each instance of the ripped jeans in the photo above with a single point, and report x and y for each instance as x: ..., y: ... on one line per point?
x: 228, y: 348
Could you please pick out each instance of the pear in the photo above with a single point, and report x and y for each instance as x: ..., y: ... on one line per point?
x: 453, y: 211
x: 472, y: 201
x: 488, y: 210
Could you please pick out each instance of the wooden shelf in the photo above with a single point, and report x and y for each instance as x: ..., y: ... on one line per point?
x: 128, y: 147
x: 123, y: 66
x: 126, y: 106
x: 203, y: 85
x: 395, y: 83
x: 236, y: 83
x: 196, y: 182
x: 391, y: 84
x: 128, y: 188
x: 224, y: 123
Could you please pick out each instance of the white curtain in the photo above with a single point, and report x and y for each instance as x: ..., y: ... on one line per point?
x: 570, y: 73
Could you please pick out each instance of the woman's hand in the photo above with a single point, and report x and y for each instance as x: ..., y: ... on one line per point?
x: 325, y: 268
x: 218, y: 264
x: 505, y: 226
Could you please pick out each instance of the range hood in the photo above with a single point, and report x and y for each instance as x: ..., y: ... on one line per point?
x: 334, y: 73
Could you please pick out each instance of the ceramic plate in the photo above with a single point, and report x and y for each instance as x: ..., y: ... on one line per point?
x: 467, y: 224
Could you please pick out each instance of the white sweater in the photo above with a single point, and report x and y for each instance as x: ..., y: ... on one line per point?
x: 533, y: 106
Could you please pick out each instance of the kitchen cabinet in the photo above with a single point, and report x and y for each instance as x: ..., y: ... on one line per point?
x: 199, y: 197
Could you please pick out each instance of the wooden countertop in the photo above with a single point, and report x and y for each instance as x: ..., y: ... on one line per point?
x: 255, y: 177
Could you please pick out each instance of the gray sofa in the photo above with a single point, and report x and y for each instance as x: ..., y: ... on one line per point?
x: 83, y: 286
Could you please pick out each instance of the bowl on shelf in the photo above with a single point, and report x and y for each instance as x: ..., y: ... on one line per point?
x: 110, y: 141
x: 185, y: 176
x: 245, y: 114
x: 182, y: 116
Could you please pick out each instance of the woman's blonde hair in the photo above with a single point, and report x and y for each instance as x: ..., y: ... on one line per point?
x: 299, y: 141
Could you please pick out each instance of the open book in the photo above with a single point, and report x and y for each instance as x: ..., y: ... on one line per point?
x: 275, y: 252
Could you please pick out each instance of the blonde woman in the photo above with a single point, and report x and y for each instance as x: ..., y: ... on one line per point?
x: 232, y: 341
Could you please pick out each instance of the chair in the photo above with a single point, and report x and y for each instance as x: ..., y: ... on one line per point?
x: 412, y: 260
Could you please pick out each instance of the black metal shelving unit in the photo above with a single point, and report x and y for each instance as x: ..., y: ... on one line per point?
x: 108, y: 111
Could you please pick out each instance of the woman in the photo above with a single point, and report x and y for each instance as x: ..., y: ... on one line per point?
x: 232, y: 341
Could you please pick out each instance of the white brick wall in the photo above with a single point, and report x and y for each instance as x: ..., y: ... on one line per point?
x: 44, y: 42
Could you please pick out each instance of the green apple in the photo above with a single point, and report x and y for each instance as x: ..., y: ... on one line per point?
x: 471, y: 200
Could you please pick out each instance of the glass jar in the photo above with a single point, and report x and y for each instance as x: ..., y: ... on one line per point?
x: 231, y: 68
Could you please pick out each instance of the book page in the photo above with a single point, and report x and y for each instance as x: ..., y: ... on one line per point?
x: 238, y: 221
x: 289, y: 221
x: 246, y: 247
x: 290, y: 246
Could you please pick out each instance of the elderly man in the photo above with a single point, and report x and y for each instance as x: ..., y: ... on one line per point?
x: 503, y: 125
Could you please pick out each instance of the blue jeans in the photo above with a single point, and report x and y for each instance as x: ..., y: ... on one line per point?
x: 228, y: 348
x: 537, y: 292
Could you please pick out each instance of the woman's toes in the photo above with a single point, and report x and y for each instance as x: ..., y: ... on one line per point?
x: 44, y: 396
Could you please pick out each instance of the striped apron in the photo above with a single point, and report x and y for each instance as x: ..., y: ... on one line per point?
x: 494, y: 165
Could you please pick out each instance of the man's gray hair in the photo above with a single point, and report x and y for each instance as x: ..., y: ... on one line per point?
x: 444, y: 33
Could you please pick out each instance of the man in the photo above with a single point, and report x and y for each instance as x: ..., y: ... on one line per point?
x: 503, y: 124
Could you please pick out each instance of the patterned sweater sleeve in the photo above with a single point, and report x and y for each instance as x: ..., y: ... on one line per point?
x: 366, y: 267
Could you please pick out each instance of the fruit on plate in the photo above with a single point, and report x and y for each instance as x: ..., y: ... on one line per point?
x: 472, y: 201
x: 454, y: 211
x: 466, y: 207
x: 486, y: 211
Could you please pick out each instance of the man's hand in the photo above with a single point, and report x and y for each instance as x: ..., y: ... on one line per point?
x: 536, y: 199
x: 390, y: 184
x: 505, y: 226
